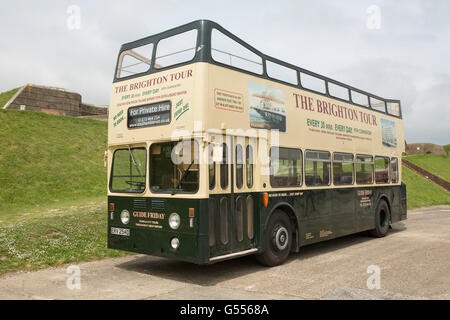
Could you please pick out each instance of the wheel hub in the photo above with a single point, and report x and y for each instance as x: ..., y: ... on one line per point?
x: 280, y: 238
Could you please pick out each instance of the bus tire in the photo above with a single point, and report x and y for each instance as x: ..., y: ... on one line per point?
x: 382, y: 219
x: 278, y: 240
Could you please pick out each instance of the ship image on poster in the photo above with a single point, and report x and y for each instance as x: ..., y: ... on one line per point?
x: 388, y: 135
x: 267, y: 107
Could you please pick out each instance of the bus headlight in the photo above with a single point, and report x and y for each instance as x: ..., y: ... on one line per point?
x: 174, y: 220
x: 175, y: 243
x: 125, y: 216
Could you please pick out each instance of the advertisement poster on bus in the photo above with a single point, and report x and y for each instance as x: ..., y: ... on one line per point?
x: 388, y: 135
x: 267, y: 107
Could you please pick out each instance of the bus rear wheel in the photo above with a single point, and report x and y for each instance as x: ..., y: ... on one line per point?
x: 277, y: 241
x: 382, y: 218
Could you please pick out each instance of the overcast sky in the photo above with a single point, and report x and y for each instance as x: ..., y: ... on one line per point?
x: 401, y: 53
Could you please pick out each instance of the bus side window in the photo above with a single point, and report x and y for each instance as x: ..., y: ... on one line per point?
x: 176, y: 49
x: 280, y: 72
x: 317, y: 168
x: 285, y: 167
x: 381, y: 170
x: 394, y: 170
x: 211, y: 167
x: 249, y: 163
x: 224, y: 167
x: 135, y: 61
x: 227, y: 51
x: 239, y: 166
x: 343, y: 168
x: 364, y: 169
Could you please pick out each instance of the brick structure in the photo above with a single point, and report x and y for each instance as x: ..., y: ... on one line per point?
x: 53, y: 100
x: 423, y: 148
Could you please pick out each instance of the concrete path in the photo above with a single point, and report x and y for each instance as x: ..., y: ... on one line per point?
x: 413, y: 261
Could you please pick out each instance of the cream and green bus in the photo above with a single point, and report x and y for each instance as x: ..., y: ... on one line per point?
x: 216, y: 151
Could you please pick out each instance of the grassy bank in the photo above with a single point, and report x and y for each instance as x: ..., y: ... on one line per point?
x: 46, y: 160
x: 437, y: 164
x: 5, y: 96
x: 447, y: 149
x: 55, y: 237
x: 421, y: 192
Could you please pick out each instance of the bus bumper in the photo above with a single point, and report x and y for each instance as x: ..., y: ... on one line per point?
x: 148, y: 231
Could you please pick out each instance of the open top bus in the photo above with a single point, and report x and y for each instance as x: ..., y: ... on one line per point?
x: 216, y: 151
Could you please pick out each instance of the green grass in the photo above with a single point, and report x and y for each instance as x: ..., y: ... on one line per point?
x: 52, y: 190
x: 447, y: 149
x: 48, y: 160
x: 56, y: 237
x: 421, y: 192
x: 5, y: 96
x: 437, y: 164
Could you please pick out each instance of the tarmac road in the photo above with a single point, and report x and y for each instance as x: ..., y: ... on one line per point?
x: 413, y: 261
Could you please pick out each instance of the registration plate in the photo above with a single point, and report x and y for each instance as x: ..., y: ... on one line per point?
x: 120, y: 231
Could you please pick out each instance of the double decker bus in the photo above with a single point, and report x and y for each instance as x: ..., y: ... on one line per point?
x: 216, y: 151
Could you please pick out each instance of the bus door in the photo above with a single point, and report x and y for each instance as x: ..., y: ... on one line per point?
x: 243, y: 218
x: 231, y: 204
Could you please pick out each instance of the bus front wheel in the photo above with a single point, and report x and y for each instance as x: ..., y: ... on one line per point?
x: 278, y: 240
x: 382, y: 218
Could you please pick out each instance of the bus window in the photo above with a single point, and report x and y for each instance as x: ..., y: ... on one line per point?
x: 135, y: 61
x: 224, y: 167
x: 338, y: 91
x: 176, y: 49
x: 359, y: 98
x: 381, y: 169
x: 128, y: 170
x: 285, y: 167
x: 167, y: 176
x: 239, y: 166
x: 224, y: 220
x: 343, y: 168
x: 211, y: 167
x: 317, y: 168
x: 377, y: 104
x: 313, y: 83
x: 364, y: 169
x: 280, y: 72
x: 394, y: 170
x: 249, y: 163
x: 227, y: 51
x: 240, y: 218
x: 393, y: 108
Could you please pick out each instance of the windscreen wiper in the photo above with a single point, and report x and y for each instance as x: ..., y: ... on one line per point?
x: 134, y: 161
x: 186, y: 172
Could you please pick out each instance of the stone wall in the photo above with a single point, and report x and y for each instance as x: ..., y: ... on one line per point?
x: 90, y: 110
x: 423, y: 148
x: 53, y: 100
